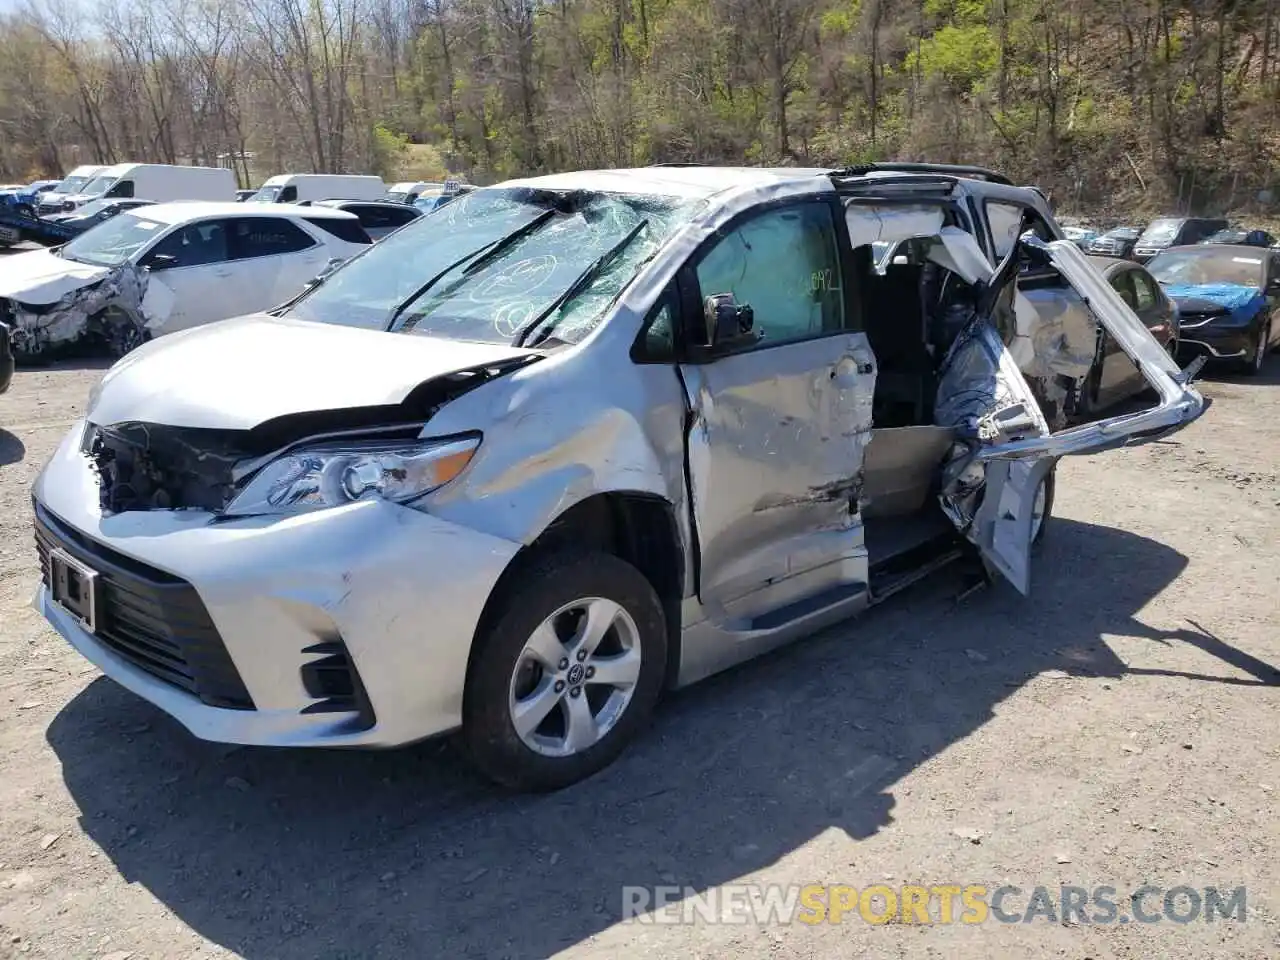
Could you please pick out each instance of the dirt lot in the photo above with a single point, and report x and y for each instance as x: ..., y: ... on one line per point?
x: 1118, y: 728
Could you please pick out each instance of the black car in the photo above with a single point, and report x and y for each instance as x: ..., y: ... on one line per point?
x: 1245, y: 238
x: 1169, y: 232
x: 1117, y: 242
x: 1228, y: 300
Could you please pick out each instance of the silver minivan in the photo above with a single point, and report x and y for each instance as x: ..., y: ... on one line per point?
x: 569, y: 442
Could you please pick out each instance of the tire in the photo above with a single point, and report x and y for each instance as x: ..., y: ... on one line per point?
x: 503, y: 672
x: 1254, y: 364
x: 1050, y: 485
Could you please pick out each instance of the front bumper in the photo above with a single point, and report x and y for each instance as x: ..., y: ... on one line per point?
x: 396, y: 591
x: 1216, y: 343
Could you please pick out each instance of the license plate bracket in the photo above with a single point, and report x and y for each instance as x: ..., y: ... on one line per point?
x: 74, y: 587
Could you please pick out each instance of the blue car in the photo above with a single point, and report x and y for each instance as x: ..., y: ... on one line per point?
x: 1228, y: 298
x: 24, y: 200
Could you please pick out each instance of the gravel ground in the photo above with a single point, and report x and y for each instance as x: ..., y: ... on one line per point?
x: 1116, y: 728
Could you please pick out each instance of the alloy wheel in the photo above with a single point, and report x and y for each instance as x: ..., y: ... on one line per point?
x: 575, y: 677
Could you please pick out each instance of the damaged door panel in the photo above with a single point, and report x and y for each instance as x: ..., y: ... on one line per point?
x: 777, y: 428
x: 992, y: 490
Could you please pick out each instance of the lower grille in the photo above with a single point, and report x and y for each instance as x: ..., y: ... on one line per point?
x: 152, y: 619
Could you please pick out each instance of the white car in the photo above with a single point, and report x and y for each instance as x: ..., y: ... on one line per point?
x: 169, y: 267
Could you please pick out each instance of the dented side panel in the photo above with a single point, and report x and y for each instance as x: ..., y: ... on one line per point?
x: 776, y: 443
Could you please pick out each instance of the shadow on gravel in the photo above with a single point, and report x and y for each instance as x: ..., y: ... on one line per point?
x: 280, y: 855
x: 65, y: 361
x: 12, y: 450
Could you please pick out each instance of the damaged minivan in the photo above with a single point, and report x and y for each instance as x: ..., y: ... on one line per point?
x: 572, y: 441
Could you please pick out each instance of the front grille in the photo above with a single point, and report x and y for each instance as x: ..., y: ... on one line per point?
x: 152, y: 619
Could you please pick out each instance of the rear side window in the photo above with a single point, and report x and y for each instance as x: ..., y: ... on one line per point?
x: 266, y: 237
x: 349, y: 230
x: 380, y: 216
x: 1005, y: 220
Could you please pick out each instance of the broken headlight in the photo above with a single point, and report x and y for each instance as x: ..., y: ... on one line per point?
x: 330, y: 475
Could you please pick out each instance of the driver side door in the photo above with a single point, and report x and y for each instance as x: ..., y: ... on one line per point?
x: 191, y: 273
x: 778, y: 423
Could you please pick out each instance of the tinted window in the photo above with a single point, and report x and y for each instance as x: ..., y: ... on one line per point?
x: 1123, y: 283
x: 266, y: 237
x: 1145, y: 289
x: 352, y: 231
x: 784, y: 263
x: 381, y: 218
x: 288, y: 194
x: 194, y: 245
x: 124, y: 188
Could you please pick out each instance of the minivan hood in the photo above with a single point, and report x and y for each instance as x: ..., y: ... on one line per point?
x: 41, y: 277
x: 238, y: 374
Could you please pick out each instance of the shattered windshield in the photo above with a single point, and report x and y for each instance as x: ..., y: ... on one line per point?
x: 1203, y: 266
x: 113, y: 241
x: 501, y: 265
x: 1160, y: 231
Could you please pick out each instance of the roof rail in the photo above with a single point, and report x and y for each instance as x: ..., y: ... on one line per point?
x: 680, y: 163
x: 951, y: 169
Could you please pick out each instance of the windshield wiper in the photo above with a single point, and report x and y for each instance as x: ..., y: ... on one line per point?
x: 580, y: 282
x: 506, y: 242
x: 486, y: 254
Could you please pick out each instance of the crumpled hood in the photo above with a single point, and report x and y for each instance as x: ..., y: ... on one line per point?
x: 41, y: 277
x: 1195, y: 297
x: 240, y: 373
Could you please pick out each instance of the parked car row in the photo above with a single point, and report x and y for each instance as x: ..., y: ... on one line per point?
x: 1142, y: 243
x: 293, y: 493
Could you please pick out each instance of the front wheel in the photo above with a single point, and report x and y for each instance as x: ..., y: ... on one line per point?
x: 1261, y: 347
x: 567, y: 669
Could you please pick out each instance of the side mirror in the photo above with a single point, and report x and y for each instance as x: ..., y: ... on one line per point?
x: 1274, y: 285
x: 729, y: 324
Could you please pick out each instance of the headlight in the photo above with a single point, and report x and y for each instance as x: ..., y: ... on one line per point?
x: 330, y: 475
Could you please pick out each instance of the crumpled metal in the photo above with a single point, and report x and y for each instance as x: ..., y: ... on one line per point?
x: 69, y: 319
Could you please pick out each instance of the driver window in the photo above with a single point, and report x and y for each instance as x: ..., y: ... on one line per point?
x: 193, y: 245
x: 288, y: 194
x: 784, y: 263
x: 123, y: 188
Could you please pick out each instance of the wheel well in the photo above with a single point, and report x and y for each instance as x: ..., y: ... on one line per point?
x: 638, y: 528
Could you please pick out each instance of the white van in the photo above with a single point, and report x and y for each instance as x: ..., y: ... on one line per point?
x: 301, y: 187
x: 160, y: 182
x: 51, y: 201
x: 410, y: 190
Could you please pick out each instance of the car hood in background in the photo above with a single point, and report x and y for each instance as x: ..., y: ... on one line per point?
x: 240, y: 373
x: 41, y: 277
x: 1204, y: 297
